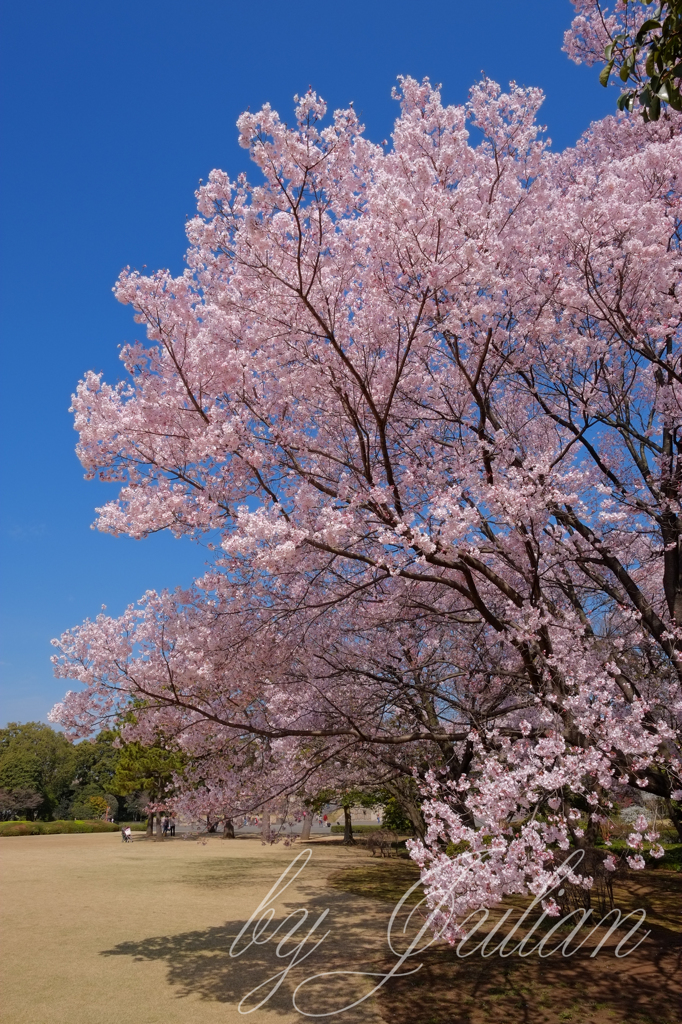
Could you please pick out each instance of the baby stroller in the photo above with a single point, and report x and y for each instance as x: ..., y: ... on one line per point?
x: 126, y: 835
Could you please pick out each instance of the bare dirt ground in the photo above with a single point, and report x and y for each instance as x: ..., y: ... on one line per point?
x: 95, y: 931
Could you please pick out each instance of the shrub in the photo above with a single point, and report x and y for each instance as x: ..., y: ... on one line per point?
x: 395, y: 819
x: 339, y: 829
x: 81, y: 826
x: 38, y: 828
x: 51, y: 828
x: 20, y: 828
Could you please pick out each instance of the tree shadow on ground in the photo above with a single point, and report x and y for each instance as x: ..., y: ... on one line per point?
x: 599, y: 991
x: 643, y: 987
x: 198, y: 963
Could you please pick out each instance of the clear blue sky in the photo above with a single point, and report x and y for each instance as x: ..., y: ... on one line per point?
x: 111, y: 113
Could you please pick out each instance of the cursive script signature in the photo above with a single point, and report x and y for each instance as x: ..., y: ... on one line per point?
x: 298, y: 937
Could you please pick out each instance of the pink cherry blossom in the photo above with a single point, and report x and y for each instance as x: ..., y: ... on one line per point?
x: 426, y: 403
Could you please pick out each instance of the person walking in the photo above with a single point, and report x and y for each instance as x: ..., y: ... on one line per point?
x: 165, y: 826
x: 171, y: 823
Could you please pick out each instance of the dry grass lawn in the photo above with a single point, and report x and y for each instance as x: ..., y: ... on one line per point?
x: 98, y: 932
x: 95, y: 931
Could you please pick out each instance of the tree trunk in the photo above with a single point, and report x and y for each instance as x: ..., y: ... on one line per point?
x: 675, y: 815
x: 347, y: 828
x: 307, y: 825
x: 265, y: 826
x: 159, y: 827
x: 228, y: 829
x: 150, y: 826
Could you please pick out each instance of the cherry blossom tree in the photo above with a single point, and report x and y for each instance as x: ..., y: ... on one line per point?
x: 425, y: 402
x: 268, y: 705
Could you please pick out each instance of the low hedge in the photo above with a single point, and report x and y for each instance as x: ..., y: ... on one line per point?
x: 51, y: 828
x: 340, y: 829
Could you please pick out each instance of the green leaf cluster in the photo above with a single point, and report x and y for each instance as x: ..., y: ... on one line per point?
x: 151, y: 769
x: 76, y: 780
x: 395, y: 818
x: 33, y: 756
x: 660, y: 40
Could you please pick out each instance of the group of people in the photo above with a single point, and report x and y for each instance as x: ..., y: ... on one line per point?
x: 168, y: 825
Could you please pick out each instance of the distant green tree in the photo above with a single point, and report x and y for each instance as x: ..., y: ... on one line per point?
x: 148, y: 769
x: 99, y: 805
x: 405, y: 792
x: 95, y: 765
x: 96, y: 760
x: 83, y: 808
x: 347, y: 797
x: 35, y: 757
x: 395, y: 818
